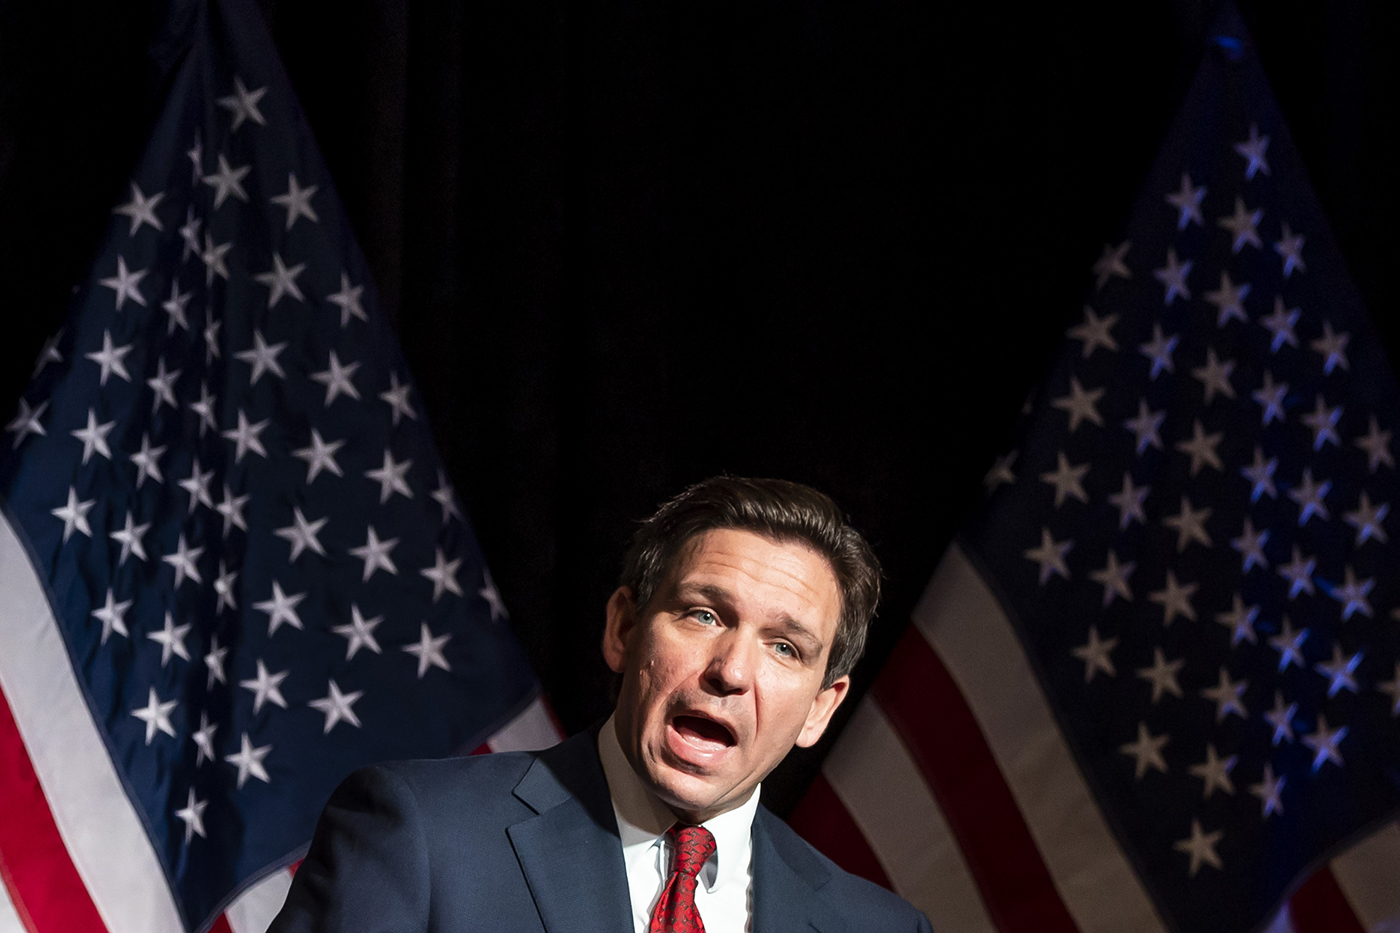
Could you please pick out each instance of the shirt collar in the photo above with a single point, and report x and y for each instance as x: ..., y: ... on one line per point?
x: 642, y: 819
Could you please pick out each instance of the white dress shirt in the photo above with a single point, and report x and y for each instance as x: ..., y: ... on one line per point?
x: 724, y: 896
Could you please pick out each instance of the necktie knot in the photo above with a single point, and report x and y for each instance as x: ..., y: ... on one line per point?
x: 694, y: 845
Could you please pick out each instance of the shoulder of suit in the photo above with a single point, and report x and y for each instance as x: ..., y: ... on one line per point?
x: 847, y: 892
x: 430, y: 780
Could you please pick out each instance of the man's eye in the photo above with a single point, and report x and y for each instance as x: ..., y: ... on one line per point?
x: 785, y: 649
x: 705, y: 617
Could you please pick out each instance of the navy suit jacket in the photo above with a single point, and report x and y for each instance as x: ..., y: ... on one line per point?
x: 528, y: 842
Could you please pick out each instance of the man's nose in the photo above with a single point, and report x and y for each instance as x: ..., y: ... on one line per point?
x: 733, y: 663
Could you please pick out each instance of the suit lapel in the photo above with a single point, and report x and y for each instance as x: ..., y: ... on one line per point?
x: 786, y: 883
x: 570, y: 852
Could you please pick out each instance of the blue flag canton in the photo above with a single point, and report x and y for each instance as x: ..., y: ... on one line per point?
x: 1193, y: 533
x: 260, y: 569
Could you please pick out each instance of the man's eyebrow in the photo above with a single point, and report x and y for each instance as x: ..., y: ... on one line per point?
x: 706, y: 591
x: 799, y: 632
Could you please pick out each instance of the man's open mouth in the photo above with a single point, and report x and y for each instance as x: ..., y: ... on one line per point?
x: 702, y: 730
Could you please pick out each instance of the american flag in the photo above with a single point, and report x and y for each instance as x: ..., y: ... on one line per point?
x: 1154, y: 685
x: 233, y: 567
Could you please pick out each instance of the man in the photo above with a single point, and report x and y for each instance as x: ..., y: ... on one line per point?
x: 742, y: 608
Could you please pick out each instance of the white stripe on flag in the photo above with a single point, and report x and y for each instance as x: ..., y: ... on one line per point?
x: 530, y: 731
x: 9, y: 919
x: 1369, y: 875
x: 963, y: 621
x: 886, y: 795
x: 254, y: 910
x: 98, y: 823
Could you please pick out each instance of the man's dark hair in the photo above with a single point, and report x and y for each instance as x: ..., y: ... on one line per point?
x: 779, y: 510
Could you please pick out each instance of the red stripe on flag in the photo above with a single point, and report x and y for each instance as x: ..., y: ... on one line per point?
x: 925, y: 706
x: 221, y: 925
x: 1319, y: 906
x: 41, y: 877
x: 823, y: 820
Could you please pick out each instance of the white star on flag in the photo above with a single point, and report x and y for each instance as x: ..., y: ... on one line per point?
x: 246, y: 437
x: 1270, y: 397
x: 397, y: 398
x: 281, y: 281
x: 1201, y: 848
x: 1215, y: 772
x: 1187, y: 202
x: 1173, y: 278
x: 1289, y: 645
x: 391, y: 477
x: 183, y: 560
x: 147, y: 461
x: 348, y: 301
x: 1111, y: 264
x: 94, y: 437
x: 111, y: 359
x: 302, y: 534
x: 320, y: 455
x: 359, y: 633
x: 1146, y: 752
x: 1280, y: 324
x: 375, y: 553
x: 1253, y: 150
x: 266, y: 687
x: 443, y: 575
x: 129, y: 537
x: 1243, y: 226
x: 126, y: 284
x: 1050, y: 555
x: 492, y: 596
x: 1323, y: 742
x: 1229, y: 301
x: 297, y: 201
x: 1095, y: 332
x: 337, y: 707
x: 1175, y: 599
x: 337, y: 379
x: 156, y: 715
x: 249, y: 761
x: 74, y: 514
x: 163, y: 387
x: 281, y: 609
x: 1096, y: 654
x: 1228, y: 696
x: 1162, y: 675
x: 141, y: 209
x: 112, y: 615
x: 262, y: 356
x: 26, y: 422
x: 428, y: 650
x: 227, y: 181
x: 243, y: 105
x: 171, y: 639
x: 192, y: 815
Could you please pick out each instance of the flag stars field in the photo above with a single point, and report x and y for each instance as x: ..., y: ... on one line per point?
x: 1184, y: 549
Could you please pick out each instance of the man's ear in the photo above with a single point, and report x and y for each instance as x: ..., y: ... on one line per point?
x: 820, y: 715
x: 622, y: 622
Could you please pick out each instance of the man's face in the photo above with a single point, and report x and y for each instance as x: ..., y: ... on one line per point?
x: 723, y: 673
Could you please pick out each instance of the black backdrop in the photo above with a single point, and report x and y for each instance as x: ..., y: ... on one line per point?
x: 628, y: 244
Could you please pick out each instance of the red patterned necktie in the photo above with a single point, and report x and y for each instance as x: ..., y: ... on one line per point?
x: 675, y: 912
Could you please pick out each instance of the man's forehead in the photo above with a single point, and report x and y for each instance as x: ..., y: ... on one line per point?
x: 710, y: 562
